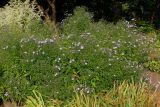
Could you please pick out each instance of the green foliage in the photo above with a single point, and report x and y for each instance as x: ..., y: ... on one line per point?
x: 15, y: 79
x: 125, y: 6
x: 86, y: 56
x: 77, y: 23
x: 145, y: 27
x: 153, y: 62
x: 153, y: 65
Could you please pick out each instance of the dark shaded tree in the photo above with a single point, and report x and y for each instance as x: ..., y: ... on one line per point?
x: 3, y: 2
x: 107, y: 9
x: 110, y: 10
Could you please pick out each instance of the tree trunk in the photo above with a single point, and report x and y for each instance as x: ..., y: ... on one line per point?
x: 53, y: 10
x: 49, y: 13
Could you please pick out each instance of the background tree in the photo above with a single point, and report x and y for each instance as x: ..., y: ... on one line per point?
x: 110, y: 10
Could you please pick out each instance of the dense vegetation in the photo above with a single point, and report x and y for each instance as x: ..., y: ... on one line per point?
x: 83, y: 56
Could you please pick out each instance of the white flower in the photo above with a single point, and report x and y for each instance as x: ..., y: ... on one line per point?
x: 25, y: 52
x: 60, y: 48
x: 43, y: 52
x: 134, y: 46
x: 21, y: 46
x: 55, y: 74
x: 59, y: 59
x: 51, y: 40
x: 33, y: 52
x: 78, y: 89
x: 88, y: 33
x: 88, y: 92
x: 115, y: 47
x: 6, y: 47
x: 78, y: 44
x: 32, y: 60
x: 122, y: 53
x: 6, y: 94
x: 82, y: 47
x: 58, y: 67
x: 113, y: 42
x: 72, y: 60
x: 97, y: 45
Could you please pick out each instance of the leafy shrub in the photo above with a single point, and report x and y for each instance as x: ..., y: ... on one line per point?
x: 153, y: 65
x: 145, y: 27
x: 77, y: 23
x: 86, y: 56
x: 19, y: 23
x: 153, y: 62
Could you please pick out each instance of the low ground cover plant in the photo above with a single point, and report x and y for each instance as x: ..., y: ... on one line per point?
x: 86, y: 56
x: 153, y: 63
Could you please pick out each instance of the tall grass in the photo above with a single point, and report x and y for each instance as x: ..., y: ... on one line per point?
x: 130, y: 95
x: 19, y: 18
x: 125, y: 95
x: 18, y: 14
x: 35, y: 102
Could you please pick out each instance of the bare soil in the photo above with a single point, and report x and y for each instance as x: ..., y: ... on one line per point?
x: 153, y: 80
